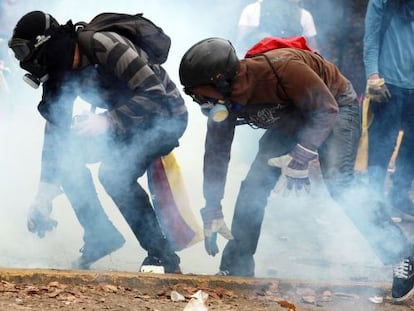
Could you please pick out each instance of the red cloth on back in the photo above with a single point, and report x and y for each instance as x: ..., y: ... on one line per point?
x: 272, y: 43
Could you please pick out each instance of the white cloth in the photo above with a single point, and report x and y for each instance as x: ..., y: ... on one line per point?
x: 250, y: 17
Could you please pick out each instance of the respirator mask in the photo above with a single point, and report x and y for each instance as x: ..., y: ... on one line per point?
x: 37, y: 73
x: 215, y: 109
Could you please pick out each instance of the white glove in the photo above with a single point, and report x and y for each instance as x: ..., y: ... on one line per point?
x: 39, y: 220
x: 295, y: 169
x: 213, y: 222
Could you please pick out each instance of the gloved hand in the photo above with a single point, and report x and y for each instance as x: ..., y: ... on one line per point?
x: 90, y: 124
x: 39, y: 220
x: 377, y: 90
x: 295, y: 169
x: 214, y: 223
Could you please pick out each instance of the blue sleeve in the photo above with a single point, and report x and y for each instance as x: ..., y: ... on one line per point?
x: 373, y: 21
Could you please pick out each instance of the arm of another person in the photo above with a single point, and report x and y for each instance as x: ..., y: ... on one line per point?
x: 309, y: 29
x: 249, y: 19
x: 372, y: 38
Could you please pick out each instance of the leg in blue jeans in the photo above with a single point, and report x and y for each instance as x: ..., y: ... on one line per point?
x: 119, y: 173
x: 404, y: 173
x: 100, y: 236
x: 337, y: 156
x: 81, y: 193
x: 382, y: 135
x: 248, y: 215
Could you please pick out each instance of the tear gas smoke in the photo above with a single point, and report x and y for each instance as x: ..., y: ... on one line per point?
x: 308, y: 238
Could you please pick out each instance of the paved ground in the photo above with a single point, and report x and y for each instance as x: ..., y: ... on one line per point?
x: 48, y: 290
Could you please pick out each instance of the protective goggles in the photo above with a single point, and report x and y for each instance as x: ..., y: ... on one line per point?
x: 23, y: 49
x: 208, y: 101
x: 199, y: 99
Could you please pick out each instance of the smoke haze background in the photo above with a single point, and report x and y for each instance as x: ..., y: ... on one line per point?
x: 308, y: 238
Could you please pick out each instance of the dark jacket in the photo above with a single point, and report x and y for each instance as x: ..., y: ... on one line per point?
x: 289, y: 89
x: 133, y: 92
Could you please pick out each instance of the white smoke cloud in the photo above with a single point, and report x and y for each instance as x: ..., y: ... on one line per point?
x: 298, y: 236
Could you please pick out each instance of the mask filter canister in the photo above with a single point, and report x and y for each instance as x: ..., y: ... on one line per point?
x: 33, y: 81
x: 219, y: 113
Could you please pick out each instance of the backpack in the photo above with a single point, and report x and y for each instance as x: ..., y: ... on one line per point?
x: 139, y: 30
x: 272, y: 43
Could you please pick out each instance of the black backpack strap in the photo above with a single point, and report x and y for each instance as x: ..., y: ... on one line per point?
x: 280, y: 84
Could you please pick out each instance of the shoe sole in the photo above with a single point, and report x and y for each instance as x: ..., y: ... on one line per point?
x: 405, y: 297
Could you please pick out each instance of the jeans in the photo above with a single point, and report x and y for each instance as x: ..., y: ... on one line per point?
x: 389, y: 118
x: 120, y: 170
x: 78, y: 185
x: 122, y: 163
x: 336, y: 156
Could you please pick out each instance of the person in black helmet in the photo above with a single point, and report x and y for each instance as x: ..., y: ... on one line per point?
x: 309, y: 111
x: 142, y: 116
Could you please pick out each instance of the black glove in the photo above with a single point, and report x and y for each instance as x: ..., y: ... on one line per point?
x: 378, y: 91
x: 295, y: 169
x: 213, y: 222
x: 40, y: 223
x: 39, y: 220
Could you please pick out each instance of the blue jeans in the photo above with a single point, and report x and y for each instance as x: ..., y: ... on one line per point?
x: 79, y: 187
x: 125, y: 164
x: 389, y: 118
x: 122, y: 163
x: 337, y: 158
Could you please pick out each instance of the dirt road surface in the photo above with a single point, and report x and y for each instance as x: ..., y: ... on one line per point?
x: 46, y: 290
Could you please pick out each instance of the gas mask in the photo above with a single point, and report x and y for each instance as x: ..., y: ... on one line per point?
x: 49, y: 54
x: 29, y: 53
x: 216, y: 112
x: 215, y: 109
x: 37, y: 73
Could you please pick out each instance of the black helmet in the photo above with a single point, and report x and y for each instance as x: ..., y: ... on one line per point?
x: 210, y: 61
x: 30, y: 33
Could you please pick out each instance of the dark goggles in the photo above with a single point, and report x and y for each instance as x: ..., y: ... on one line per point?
x: 203, y: 100
x: 198, y: 98
x: 23, y: 49
x: 206, y: 103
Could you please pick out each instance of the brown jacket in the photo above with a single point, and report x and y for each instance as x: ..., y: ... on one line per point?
x: 291, y: 89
